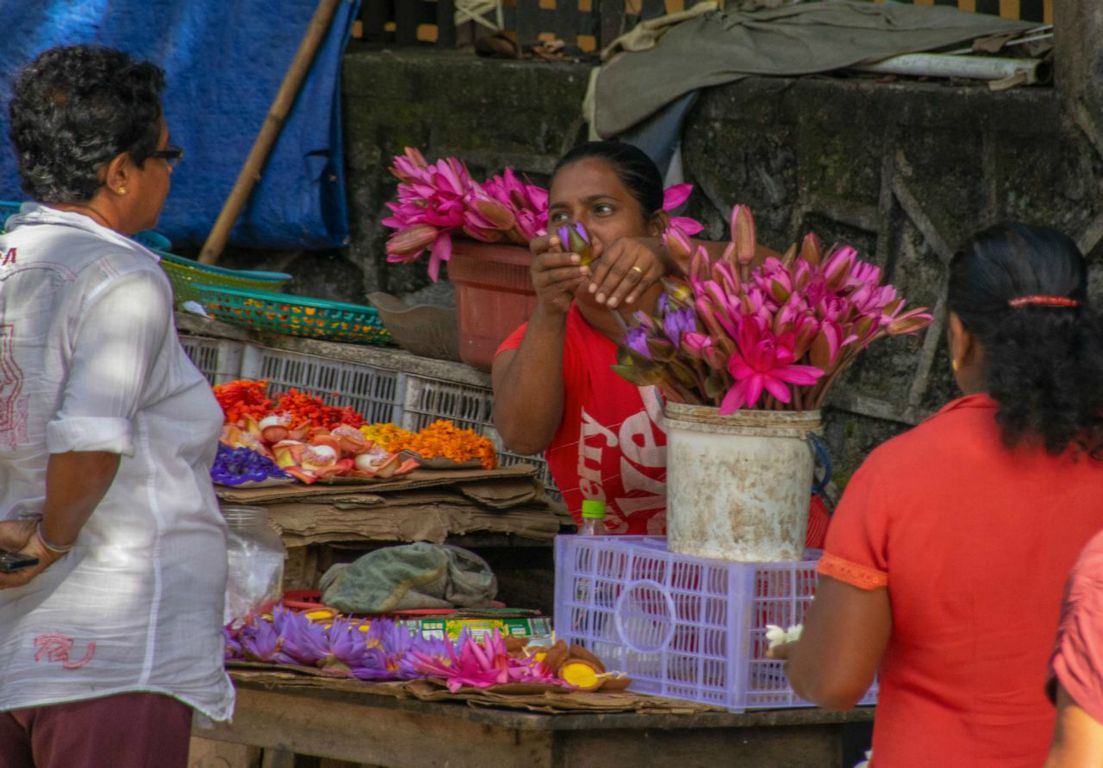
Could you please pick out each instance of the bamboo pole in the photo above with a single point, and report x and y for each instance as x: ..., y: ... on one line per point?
x: 269, y: 132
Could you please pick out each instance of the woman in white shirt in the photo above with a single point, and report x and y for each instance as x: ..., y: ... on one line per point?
x: 107, y: 433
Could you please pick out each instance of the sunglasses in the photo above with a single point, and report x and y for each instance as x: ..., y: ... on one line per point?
x: 171, y: 154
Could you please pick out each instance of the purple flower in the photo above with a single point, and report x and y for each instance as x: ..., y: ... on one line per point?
x: 304, y: 642
x: 678, y: 322
x: 392, y: 651
x: 347, y: 648
x: 231, y: 644
x: 574, y: 238
x: 260, y: 642
x: 636, y: 340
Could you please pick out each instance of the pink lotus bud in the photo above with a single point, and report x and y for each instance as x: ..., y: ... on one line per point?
x: 864, y: 327
x: 695, y: 344
x: 825, y: 347
x: 790, y: 256
x: 780, y: 287
x: 413, y: 240
x: 743, y: 234
x: 726, y: 275
x: 806, y: 331
x: 811, y: 250
x: 837, y: 268
x: 495, y: 213
x: 909, y: 322
x: 677, y: 244
x: 700, y: 265
x: 473, y: 228
x: 707, y: 315
x: 729, y: 255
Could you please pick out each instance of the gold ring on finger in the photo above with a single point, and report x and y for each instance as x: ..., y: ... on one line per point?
x: 637, y: 268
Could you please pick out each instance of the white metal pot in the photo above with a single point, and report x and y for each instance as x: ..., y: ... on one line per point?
x: 738, y: 486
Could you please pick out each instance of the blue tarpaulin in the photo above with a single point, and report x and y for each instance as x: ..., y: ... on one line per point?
x: 224, y: 61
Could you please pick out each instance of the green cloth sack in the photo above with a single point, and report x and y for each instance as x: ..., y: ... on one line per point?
x: 410, y: 576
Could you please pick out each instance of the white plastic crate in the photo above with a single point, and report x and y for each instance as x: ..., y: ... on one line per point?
x: 217, y: 359
x: 467, y: 406
x: 680, y: 626
x: 374, y: 392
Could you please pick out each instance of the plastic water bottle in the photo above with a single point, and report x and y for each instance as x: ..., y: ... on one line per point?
x: 593, y: 524
x: 593, y: 518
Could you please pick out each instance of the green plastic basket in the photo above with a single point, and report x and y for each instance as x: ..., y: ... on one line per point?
x: 188, y: 276
x: 7, y: 208
x: 295, y: 315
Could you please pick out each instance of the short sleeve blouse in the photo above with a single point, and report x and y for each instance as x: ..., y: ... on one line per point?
x: 973, y: 541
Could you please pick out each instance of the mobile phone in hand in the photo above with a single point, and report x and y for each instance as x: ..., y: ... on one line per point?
x: 11, y: 562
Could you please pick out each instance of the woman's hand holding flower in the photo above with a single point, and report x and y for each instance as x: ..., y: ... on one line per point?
x: 556, y: 274
x: 626, y: 268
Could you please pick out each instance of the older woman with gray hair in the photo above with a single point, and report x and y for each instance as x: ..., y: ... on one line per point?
x: 110, y: 635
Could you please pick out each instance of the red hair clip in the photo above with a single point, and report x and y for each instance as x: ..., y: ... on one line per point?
x: 1043, y: 301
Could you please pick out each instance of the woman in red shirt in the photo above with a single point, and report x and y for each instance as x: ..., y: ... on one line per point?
x: 554, y: 388
x: 944, y: 564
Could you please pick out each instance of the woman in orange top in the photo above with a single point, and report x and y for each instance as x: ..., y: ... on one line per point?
x: 945, y: 561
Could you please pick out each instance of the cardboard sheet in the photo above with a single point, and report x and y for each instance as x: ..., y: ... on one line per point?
x: 427, y: 505
x: 532, y: 698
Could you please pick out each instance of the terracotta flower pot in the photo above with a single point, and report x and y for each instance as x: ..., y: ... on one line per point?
x: 494, y: 295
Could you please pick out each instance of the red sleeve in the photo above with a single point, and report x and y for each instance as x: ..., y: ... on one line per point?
x: 855, y: 550
x: 513, y: 341
x: 1078, y: 658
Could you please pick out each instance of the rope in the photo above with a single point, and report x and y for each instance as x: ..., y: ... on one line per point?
x: 476, y: 11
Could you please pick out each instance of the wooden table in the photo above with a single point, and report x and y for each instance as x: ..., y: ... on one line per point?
x: 386, y: 732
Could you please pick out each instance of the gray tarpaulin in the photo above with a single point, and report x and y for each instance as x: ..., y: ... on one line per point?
x: 724, y: 46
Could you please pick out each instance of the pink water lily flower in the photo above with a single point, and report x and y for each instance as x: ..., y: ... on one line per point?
x: 430, y: 195
x: 763, y: 361
x: 725, y: 332
x: 482, y: 664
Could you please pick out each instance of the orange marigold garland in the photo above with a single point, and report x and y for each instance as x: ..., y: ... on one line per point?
x: 390, y: 436
x: 441, y: 439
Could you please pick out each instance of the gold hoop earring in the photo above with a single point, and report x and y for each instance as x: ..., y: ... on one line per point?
x: 121, y: 190
x: 955, y: 365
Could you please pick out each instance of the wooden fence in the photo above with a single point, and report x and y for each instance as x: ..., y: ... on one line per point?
x: 586, y: 24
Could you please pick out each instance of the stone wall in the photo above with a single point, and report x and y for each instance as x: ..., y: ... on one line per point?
x: 902, y: 170
x: 489, y: 113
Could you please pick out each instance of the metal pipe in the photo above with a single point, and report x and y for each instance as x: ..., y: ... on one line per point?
x: 972, y: 67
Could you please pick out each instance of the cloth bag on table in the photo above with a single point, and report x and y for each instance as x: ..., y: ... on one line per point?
x: 410, y: 576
